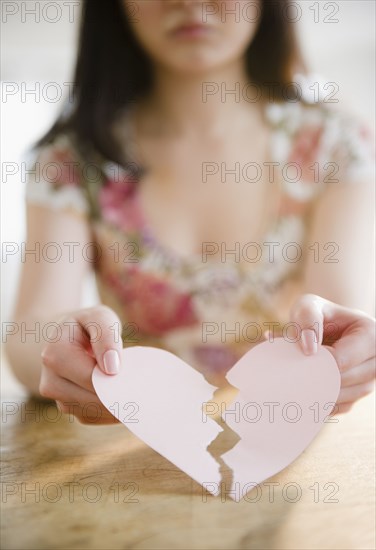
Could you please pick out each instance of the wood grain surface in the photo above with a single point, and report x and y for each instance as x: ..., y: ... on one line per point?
x: 66, y: 485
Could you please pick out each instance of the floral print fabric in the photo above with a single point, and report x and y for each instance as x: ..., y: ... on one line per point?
x: 207, y: 312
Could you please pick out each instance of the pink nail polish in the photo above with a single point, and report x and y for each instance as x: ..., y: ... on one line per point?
x: 111, y: 361
x: 309, y: 341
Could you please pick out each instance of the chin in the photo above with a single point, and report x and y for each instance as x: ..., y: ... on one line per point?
x: 195, y: 64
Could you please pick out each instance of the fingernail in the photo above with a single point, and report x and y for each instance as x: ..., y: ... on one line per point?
x: 111, y: 361
x: 309, y: 341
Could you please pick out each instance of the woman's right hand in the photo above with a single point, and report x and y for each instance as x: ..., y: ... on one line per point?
x: 89, y: 337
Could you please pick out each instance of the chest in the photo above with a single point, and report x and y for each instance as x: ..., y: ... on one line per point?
x: 218, y: 191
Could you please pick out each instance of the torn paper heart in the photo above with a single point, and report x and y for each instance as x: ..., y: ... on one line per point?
x: 165, y: 397
x: 284, y: 398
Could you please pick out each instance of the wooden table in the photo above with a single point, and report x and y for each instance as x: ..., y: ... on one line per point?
x: 71, y: 486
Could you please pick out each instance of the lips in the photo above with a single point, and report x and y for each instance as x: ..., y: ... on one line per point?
x: 190, y: 30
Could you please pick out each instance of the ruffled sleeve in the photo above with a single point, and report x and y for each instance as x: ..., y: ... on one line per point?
x: 56, y: 178
x: 348, y: 145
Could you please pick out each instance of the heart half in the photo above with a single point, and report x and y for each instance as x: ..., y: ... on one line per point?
x: 284, y: 398
x: 159, y: 398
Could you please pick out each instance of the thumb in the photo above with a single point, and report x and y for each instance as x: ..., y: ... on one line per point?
x: 307, y: 313
x: 102, y: 326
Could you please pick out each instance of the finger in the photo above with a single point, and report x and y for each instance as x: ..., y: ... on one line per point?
x: 85, y: 405
x: 360, y: 374
x: 352, y: 393
x: 307, y: 314
x: 70, y: 361
x: 350, y: 332
x: 356, y: 345
x: 89, y: 413
x: 341, y: 408
x: 104, y: 329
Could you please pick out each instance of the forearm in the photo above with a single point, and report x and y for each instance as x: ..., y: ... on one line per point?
x: 342, y: 268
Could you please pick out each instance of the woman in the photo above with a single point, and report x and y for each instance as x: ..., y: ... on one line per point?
x: 216, y: 200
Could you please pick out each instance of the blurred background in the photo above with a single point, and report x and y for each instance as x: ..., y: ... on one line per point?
x: 38, y: 46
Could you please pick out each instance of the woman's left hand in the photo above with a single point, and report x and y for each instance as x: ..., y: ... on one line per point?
x: 349, y: 334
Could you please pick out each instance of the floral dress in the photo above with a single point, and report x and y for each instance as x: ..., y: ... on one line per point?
x: 209, y: 312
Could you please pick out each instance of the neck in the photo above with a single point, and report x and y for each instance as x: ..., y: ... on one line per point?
x: 202, y: 103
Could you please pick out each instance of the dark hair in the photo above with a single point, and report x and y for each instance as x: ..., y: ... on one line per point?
x: 112, y: 70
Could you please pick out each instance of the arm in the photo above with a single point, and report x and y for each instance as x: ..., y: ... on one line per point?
x: 47, y: 289
x: 343, y: 215
x: 59, y: 366
x: 338, y: 297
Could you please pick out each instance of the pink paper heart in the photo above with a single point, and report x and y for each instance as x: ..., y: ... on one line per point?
x: 284, y: 398
x: 160, y: 398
